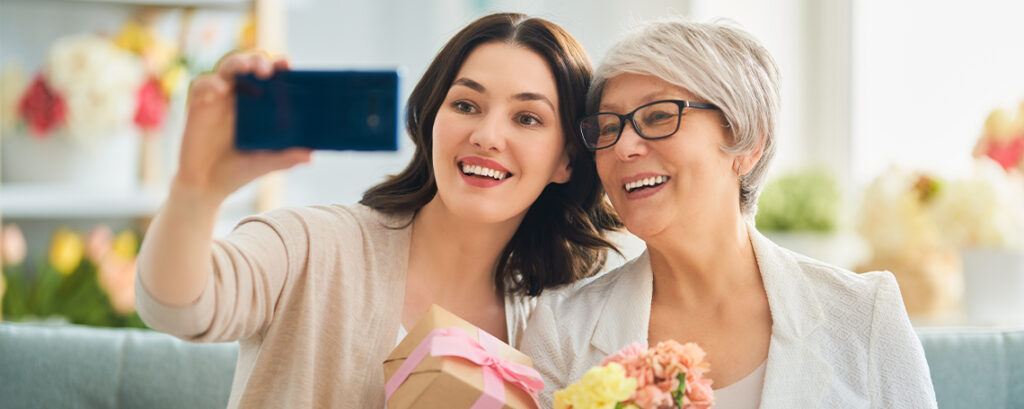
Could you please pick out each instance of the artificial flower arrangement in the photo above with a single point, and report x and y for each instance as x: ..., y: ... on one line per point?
x: 91, y: 85
x: 1003, y: 139
x: 669, y: 375
x: 85, y: 280
x: 916, y: 223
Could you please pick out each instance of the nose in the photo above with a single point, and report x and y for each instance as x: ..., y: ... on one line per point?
x: 489, y: 134
x: 630, y: 145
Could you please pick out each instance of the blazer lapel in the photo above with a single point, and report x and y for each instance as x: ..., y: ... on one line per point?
x: 795, y: 367
x: 626, y: 312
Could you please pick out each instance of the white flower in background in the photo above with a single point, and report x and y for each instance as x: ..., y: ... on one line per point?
x: 98, y: 80
x: 12, y: 86
x: 895, y: 218
x: 984, y: 210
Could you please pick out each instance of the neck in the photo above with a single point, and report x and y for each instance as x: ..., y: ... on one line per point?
x: 457, y: 254
x: 703, y: 261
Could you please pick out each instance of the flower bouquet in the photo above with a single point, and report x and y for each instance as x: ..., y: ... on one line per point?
x: 670, y: 375
x: 79, y: 117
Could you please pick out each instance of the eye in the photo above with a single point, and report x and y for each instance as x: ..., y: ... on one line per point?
x: 657, y: 117
x: 528, y: 120
x: 611, y: 129
x: 464, y: 107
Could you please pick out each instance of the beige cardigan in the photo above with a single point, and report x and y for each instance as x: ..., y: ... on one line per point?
x: 839, y: 339
x: 313, y: 296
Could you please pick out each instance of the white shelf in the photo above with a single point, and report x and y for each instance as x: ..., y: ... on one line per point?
x: 40, y: 201
x: 43, y: 201
x: 172, y: 3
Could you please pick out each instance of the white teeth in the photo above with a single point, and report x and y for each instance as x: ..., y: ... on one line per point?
x: 645, y: 182
x: 482, y: 171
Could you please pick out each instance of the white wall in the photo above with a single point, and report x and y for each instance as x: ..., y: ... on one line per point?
x: 926, y: 74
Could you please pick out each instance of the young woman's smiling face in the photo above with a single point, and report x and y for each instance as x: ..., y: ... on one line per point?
x: 655, y: 185
x: 497, y: 137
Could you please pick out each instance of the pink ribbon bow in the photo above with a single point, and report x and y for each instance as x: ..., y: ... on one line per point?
x: 455, y: 342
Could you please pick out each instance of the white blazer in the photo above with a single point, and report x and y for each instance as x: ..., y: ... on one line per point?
x: 839, y: 339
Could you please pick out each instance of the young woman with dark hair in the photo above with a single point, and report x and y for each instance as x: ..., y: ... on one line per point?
x: 500, y: 201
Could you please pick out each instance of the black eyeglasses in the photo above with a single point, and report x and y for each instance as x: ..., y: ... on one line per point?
x: 658, y: 119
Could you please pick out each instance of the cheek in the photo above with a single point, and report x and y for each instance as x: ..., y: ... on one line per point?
x: 448, y: 131
x: 606, y: 170
x: 545, y: 152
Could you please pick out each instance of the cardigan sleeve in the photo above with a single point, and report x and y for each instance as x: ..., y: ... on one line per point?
x: 249, y: 270
x: 898, y: 371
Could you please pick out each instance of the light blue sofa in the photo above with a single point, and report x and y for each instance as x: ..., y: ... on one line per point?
x: 81, y: 367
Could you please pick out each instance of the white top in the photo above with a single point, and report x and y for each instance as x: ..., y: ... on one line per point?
x: 401, y: 335
x: 743, y: 394
x: 517, y: 310
x: 839, y: 339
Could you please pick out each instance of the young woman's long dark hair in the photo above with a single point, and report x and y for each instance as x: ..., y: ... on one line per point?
x: 561, y: 239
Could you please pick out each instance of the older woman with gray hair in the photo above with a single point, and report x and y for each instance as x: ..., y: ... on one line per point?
x: 682, y: 125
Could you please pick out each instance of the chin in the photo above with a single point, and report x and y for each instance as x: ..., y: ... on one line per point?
x: 480, y: 211
x: 643, y: 225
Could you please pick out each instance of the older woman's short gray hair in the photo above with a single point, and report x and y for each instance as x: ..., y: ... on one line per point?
x: 718, y: 63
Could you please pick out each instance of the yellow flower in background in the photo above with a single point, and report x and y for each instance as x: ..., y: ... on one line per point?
x: 247, y: 37
x: 66, y: 250
x: 126, y: 245
x: 172, y: 78
x: 134, y: 37
x: 161, y: 58
x: 602, y: 387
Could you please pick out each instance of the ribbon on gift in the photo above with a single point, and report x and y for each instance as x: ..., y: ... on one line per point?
x: 455, y: 342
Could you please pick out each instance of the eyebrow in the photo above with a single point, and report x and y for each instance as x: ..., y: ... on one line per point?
x: 533, y: 96
x: 466, y: 82
x: 522, y: 96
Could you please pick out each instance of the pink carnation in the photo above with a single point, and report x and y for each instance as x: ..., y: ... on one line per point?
x: 652, y: 397
x: 699, y: 394
x: 627, y: 355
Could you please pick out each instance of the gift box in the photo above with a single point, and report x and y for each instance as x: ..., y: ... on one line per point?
x: 446, y: 362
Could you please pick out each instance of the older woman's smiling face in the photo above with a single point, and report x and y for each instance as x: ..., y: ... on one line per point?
x: 697, y: 179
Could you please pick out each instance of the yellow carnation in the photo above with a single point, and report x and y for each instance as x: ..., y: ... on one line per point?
x: 602, y: 387
x: 66, y: 249
x: 126, y: 245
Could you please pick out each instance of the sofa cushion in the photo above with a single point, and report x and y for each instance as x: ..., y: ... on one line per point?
x: 51, y: 366
x: 976, y: 368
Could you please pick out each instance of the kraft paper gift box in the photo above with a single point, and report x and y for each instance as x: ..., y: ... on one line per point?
x: 454, y: 381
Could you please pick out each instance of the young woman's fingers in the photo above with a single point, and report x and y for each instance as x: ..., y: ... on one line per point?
x: 234, y: 63
x: 262, y: 66
x: 205, y: 88
x: 282, y: 64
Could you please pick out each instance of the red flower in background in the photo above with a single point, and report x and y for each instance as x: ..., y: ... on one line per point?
x: 42, y: 107
x: 152, y: 105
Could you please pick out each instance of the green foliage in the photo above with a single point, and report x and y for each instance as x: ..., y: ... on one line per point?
x: 801, y: 201
x: 680, y: 392
x: 77, y: 297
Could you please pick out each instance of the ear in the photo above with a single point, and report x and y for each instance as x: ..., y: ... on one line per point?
x: 746, y: 162
x: 564, y: 170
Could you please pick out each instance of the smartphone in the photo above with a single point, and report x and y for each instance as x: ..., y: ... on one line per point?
x: 334, y: 110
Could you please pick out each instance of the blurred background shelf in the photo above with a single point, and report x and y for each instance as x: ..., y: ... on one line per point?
x: 54, y: 201
x: 236, y: 4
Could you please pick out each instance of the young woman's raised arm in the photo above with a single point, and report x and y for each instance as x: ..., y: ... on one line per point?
x: 175, y: 261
